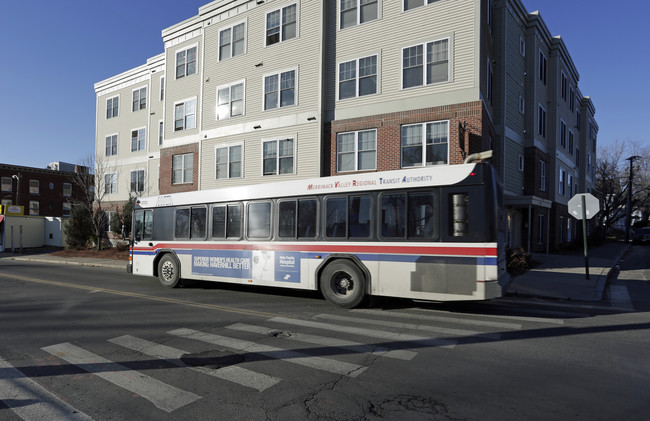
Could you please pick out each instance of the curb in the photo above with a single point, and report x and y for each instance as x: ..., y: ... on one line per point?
x: 69, y: 262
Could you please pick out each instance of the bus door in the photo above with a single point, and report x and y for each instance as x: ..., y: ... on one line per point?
x: 142, y: 253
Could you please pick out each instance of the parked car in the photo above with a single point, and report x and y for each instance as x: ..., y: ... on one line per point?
x: 642, y: 235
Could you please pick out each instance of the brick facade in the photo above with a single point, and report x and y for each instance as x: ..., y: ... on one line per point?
x: 166, y: 171
x: 389, y: 125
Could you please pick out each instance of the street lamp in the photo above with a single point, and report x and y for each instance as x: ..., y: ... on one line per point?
x: 628, y: 207
x: 17, y: 177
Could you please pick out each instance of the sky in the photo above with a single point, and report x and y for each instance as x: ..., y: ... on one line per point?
x: 54, y: 52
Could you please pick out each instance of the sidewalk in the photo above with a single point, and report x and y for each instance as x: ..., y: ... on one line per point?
x: 563, y: 275
x: 77, y: 261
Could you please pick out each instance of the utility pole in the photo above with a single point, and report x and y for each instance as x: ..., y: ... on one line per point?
x: 628, y: 207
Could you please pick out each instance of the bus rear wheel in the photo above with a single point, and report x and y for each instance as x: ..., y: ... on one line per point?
x: 169, y: 271
x: 342, y: 283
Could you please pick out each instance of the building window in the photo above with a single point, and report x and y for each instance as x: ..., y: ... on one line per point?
x: 139, y: 99
x: 358, y: 77
x: 521, y: 162
x: 563, y: 86
x: 137, y: 181
x: 67, y: 189
x: 572, y: 98
x: 7, y: 184
x: 281, y: 25
x: 577, y: 119
x: 562, y: 134
x: 185, y: 115
x: 522, y: 105
x: 161, y: 132
x: 182, y: 168
x: 162, y: 88
x: 356, y: 151
x: 561, y: 182
x: 571, y: 141
x: 577, y: 157
x: 569, y: 185
x: 540, y: 229
x: 541, y: 121
x: 232, y: 41
x: 542, y: 175
x: 415, y: 73
x: 34, y: 187
x: 356, y: 12
x: 280, y: 90
x: 412, y: 4
x: 522, y: 47
x: 138, y: 139
x: 277, y: 157
x: 186, y: 62
x: 425, y: 144
x: 230, y: 100
x: 112, y: 107
x: 111, y: 145
x: 110, y: 183
x: 229, y: 162
x: 67, y: 208
x: 543, y: 65
x: 34, y: 207
x: 490, y: 80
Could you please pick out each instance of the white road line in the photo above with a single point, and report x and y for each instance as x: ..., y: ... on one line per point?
x: 526, y: 318
x: 620, y: 296
x: 31, y: 401
x: 329, y: 342
x: 452, y: 318
x: 319, y: 363
x: 380, y: 334
x: 162, y: 395
x: 235, y: 374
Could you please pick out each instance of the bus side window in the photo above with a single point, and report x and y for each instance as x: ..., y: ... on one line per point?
x: 138, y: 225
x: 307, y: 217
x: 182, y: 223
x: 459, y: 220
x: 422, y: 220
x: 233, y: 221
x: 259, y: 220
x: 147, y: 233
x: 219, y: 222
x: 287, y: 219
x: 336, y: 208
x: 393, y: 215
x: 359, y: 216
x: 198, y: 222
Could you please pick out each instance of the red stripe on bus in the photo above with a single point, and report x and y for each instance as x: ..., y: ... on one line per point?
x: 421, y: 250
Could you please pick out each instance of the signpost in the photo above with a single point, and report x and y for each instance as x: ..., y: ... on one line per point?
x: 584, y: 206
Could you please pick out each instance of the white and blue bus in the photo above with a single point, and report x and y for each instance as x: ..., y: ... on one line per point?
x: 435, y: 233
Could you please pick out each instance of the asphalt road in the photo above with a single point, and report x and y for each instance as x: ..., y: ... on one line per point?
x: 89, y: 343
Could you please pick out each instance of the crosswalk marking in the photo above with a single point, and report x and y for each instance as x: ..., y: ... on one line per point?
x: 380, y: 334
x: 329, y: 342
x: 529, y: 318
x: 235, y: 374
x: 319, y: 363
x: 453, y: 318
x: 31, y: 401
x: 163, y: 396
x: 411, y: 326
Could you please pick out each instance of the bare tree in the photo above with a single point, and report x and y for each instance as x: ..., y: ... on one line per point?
x: 93, y: 186
x: 612, y: 181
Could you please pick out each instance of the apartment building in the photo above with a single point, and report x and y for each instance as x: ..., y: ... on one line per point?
x: 250, y: 92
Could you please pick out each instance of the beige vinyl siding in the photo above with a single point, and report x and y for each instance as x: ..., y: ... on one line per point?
x: 187, y: 87
x: 395, y: 30
x: 515, y: 73
x: 306, y: 158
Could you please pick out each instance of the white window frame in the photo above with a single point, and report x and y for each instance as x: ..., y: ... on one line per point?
x: 423, y: 143
x: 424, y: 63
x: 141, y: 143
x: 541, y: 120
x: 561, y: 182
x: 277, y: 140
x: 114, y: 145
x: 115, y: 109
x: 282, y: 24
x: 229, y: 163
x: 542, y: 69
x: 424, y: 3
x: 161, y: 132
x: 185, y: 65
x: 34, y: 207
x: 542, y: 175
x: 137, y: 172
x: 162, y: 88
x: 183, y: 169
x: 279, y: 90
x: 7, y: 181
x: 110, y: 183
x: 356, y: 151
x: 140, y: 104
x: 34, y: 186
x: 357, y: 77
x: 185, y: 125
x: 66, y: 209
x: 231, y: 44
x: 229, y: 114
x: 569, y: 185
x: 357, y: 7
x: 67, y: 189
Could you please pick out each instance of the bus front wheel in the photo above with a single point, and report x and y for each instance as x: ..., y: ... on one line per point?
x: 342, y: 283
x: 169, y: 271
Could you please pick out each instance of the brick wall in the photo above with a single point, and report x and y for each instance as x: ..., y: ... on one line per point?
x: 388, y: 128
x: 166, y: 173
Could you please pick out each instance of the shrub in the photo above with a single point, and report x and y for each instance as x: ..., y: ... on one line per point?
x: 517, y: 261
